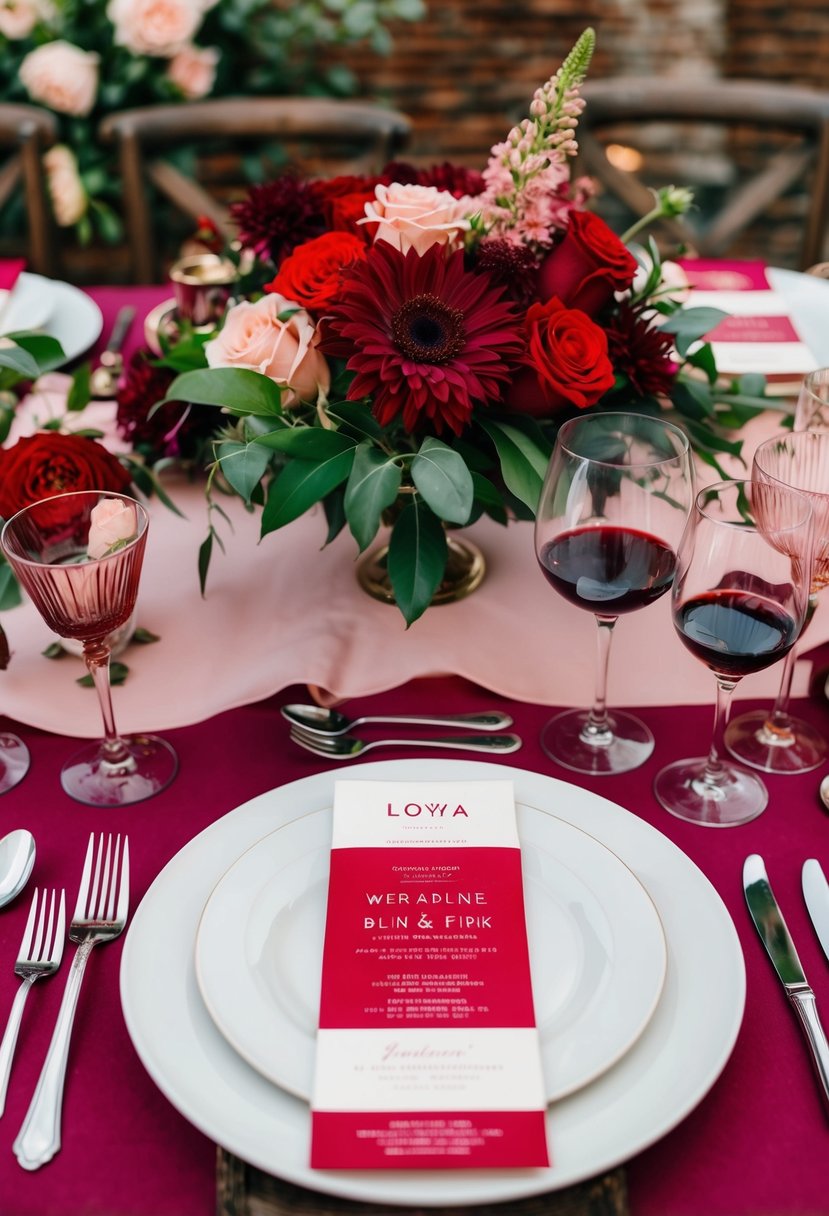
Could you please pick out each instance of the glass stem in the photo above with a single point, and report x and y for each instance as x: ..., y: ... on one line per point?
x: 778, y: 721
x: 596, y: 731
x: 715, y: 771
x: 96, y: 655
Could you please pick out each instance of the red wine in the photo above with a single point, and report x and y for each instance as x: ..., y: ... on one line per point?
x: 735, y: 632
x: 608, y: 569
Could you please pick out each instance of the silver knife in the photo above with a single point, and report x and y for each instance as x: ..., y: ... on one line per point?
x: 775, y: 937
x: 816, y: 894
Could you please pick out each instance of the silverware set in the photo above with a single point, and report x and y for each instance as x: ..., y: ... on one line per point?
x: 100, y: 915
x: 324, y: 732
x: 775, y: 936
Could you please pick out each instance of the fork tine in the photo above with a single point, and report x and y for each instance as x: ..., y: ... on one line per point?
x: 60, y: 932
x: 83, y: 889
x: 124, y: 892
x: 37, y: 941
x: 98, y: 905
x: 45, y: 945
x: 109, y: 912
x: 28, y: 933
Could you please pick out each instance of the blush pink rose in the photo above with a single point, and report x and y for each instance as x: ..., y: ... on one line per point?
x: 69, y: 199
x: 155, y: 27
x: 416, y: 217
x: 18, y: 18
x: 253, y: 337
x: 193, y: 70
x: 111, y: 522
x: 62, y: 77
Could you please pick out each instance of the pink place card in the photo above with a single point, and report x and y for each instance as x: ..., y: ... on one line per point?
x: 759, y: 334
x: 427, y: 1050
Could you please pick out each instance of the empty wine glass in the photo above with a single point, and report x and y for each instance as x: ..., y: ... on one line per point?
x: 14, y: 761
x: 79, y: 556
x: 739, y: 601
x: 772, y: 740
x: 812, y: 410
x: 614, y: 502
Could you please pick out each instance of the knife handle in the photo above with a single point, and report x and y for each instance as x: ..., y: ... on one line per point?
x: 805, y: 1007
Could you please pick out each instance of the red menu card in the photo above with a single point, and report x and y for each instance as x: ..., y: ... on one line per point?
x: 427, y: 1051
x: 759, y: 334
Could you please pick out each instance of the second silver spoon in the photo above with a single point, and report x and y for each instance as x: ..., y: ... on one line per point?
x: 321, y: 721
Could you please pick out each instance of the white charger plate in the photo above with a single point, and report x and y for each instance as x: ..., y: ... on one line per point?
x: 58, y: 309
x: 596, y: 944
x: 652, y: 1088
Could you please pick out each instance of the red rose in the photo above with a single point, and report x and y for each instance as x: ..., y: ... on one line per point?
x: 588, y: 265
x: 342, y: 201
x: 48, y: 463
x: 566, y: 362
x: 311, y: 274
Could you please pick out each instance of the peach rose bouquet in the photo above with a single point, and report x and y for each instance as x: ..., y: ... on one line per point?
x: 83, y: 59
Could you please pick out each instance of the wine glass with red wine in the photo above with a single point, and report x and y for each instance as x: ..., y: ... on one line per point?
x: 739, y: 601
x: 615, y: 499
x: 773, y: 740
x: 79, y: 557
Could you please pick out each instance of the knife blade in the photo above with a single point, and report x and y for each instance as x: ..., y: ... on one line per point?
x: 774, y: 935
x: 816, y: 894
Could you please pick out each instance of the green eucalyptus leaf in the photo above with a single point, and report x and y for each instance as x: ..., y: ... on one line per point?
x: 9, y: 590
x: 692, y: 399
x: 372, y: 486
x: 54, y: 651
x: 307, y: 442
x: 80, y: 392
x: 144, y: 637
x: 243, y: 465
x: 704, y: 437
x: 334, y: 507
x: 205, y: 553
x: 355, y: 417
x: 523, y: 463
x: 118, y: 673
x: 693, y: 323
x: 752, y: 384
x: 417, y: 559
x: 443, y: 479
x: 18, y: 360
x: 45, y: 350
x: 233, y: 388
x: 489, y: 498
x: 301, y: 484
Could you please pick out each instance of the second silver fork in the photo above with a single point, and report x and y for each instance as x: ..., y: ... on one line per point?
x: 100, y: 915
x: 41, y: 950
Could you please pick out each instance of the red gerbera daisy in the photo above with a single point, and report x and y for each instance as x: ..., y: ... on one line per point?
x: 641, y: 352
x: 425, y: 337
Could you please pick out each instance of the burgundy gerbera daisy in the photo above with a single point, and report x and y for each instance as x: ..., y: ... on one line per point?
x: 174, y: 429
x: 641, y: 352
x: 277, y: 216
x: 512, y: 266
x: 426, y: 338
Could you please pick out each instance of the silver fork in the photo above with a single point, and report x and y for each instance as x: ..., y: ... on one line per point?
x: 41, y: 950
x: 100, y: 915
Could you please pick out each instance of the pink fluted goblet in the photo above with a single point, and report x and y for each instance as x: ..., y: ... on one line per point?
x: 79, y: 557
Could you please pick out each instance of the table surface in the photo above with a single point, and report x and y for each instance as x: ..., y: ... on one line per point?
x: 756, y: 1144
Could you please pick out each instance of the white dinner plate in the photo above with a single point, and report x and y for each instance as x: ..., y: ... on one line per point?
x: 596, y: 947
x: 58, y: 309
x: 808, y: 299
x: 670, y: 1068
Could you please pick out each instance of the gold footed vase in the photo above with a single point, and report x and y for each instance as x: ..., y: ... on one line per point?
x: 465, y: 570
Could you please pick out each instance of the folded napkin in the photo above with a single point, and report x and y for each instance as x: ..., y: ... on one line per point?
x: 759, y: 334
x: 243, y: 1190
x: 10, y: 269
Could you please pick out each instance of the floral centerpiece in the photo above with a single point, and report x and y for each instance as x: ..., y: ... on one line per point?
x: 408, y: 344
x: 84, y: 59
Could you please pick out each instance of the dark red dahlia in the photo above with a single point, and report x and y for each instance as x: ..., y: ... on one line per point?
x: 426, y: 338
x: 640, y: 352
x: 174, y: 429
x: 277, y: 216
x: 513, y: 267
x: 457, y: 179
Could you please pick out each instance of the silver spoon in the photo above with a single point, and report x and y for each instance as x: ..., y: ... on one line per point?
x: 823, y: 790
x: 321, y: 721
x: 347, y: 747
x: 104, y: 380
x: 17, y: 856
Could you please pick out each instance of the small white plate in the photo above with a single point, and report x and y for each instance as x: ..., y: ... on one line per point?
x: 58, y: 309
x: 596, y: 947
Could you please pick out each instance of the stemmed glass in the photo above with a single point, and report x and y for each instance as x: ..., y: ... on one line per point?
x: 739, y: 602
x: 772, y: 740
x: 79, y: 556
x: 614, y: 502
x: 14, y: 761
x: 812, y: 410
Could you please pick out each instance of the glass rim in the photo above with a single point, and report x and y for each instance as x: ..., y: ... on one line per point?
x: 810, y: 437
x: 669, y: 427
x: 733, y: 483
x: 143, y: 520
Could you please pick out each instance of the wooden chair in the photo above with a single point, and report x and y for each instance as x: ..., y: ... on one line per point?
x: 767, y: 139
x: 361, y: 136
x: 25, y: 133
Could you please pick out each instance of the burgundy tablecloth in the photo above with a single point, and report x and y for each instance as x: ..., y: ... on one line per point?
x: 757, y: 1144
